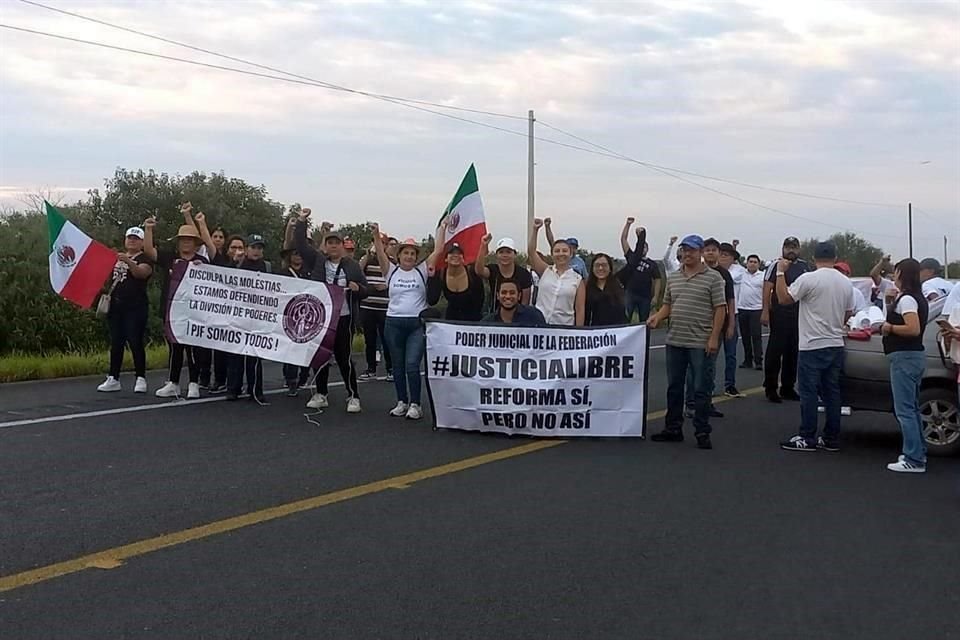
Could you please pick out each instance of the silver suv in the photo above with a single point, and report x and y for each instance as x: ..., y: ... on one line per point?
x: 866, y: 385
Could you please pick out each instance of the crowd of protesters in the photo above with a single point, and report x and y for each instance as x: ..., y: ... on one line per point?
x: 713, y: 299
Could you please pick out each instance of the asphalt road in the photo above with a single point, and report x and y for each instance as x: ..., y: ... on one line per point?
x: 230, y: 520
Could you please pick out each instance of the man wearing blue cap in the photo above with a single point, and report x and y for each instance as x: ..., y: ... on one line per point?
x: 826, y: 301
x: 696, y: 304
x: 576, y: 262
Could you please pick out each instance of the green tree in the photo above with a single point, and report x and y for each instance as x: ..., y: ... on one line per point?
x: 36, y: 320
x: 856, y: 251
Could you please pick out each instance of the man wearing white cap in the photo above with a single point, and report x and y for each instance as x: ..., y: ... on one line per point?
x: 127, y: 317
x: 505, y: 268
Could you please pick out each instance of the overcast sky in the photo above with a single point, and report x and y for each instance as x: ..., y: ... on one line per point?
x: 857, y: 100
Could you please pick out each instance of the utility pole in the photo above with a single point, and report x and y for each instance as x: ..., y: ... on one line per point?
x: 946, y: 263
x: 530, y: 198
x: 910, y: 226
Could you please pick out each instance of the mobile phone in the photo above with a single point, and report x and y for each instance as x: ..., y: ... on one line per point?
x: 946, y: 326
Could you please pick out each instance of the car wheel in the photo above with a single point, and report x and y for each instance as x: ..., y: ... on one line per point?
x: 941, y: 420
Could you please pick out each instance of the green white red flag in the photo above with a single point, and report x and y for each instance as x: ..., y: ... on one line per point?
x: 78, y: 264
x: 466, y: 224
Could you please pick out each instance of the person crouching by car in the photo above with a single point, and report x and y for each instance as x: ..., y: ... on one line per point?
x: 294, y: 375
x: 250, y: 366
x: 903, y: 346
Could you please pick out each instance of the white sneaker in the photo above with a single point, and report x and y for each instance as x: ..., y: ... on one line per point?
x: 905, y: 466
x: 414, y: 412
x: 141, y: 386
x: 353, y: 405
x: 169, y: 390
x: 318, y: 401
x: 400, y: 410
x: 110, y: 384
x: 193, y: 391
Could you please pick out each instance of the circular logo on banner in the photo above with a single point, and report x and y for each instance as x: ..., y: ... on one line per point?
x: 303, y: 318
x: 454, y: 221
x: 66, y: 256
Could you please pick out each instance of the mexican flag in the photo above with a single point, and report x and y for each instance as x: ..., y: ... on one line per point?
x: 466, y: 224
x: 78, y: 265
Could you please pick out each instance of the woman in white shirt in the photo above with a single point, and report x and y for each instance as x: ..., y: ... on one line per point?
x: 561, y: 294
x: 402, y: 332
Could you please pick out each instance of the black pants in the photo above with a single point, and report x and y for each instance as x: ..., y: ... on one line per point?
x: 210, y: 361
x: 295, y: 375
x: 750, y: 333
x: 373, y: 323
x: 177, y: 353
x: 342, y: 347
x: 240, y: 366
x: 782, y: 350
x: 128, y: 325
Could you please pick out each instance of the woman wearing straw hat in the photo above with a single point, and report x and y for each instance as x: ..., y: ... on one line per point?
x: 188, y: 242
x: 407, y: 290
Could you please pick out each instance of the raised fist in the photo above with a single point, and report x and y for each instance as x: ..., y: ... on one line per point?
x: 305, y: 212
x: 486, y: 239
x: 186, y: 207
x: 150, y: 222
x: 631, y: 220
x: 673, y: 240
x: 537, y: 223
x: 547, y: 222
x: 200, y: 218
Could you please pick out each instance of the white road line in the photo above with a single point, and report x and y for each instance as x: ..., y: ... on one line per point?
x: 134, y: 409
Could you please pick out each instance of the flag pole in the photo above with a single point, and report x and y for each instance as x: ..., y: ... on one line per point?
x: 530, y: 198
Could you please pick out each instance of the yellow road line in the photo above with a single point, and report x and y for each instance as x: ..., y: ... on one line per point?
x: 112, y: 558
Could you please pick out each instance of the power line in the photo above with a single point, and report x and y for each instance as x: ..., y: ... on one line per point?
x: 932, y: 217
x: 312, y: 83
x: 255, y: 74
x: 728, y: 181
x: 443, y: 106
x: 329, y: 85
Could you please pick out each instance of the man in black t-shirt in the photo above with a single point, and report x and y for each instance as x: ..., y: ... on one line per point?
x: 641, y: 277
x: 505, y: 268
x: 783, y: 347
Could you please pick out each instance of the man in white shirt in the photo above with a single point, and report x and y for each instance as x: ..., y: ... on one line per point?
x: 749, y: 310
x: 671, y: 259
x: 825, y: 297
x: 933, y: 285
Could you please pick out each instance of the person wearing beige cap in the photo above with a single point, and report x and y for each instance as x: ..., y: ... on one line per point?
x: 188, y: 240
x: 127, y: 317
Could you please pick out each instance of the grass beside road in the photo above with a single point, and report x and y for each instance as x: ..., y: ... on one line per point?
x: 17, y: 367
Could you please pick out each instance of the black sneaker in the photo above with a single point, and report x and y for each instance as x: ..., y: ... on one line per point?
x: 774, y: 397
x: 759, y: 366
x: 746, y: 365
x: 797, y: 443
x: 733, y: 392
x: 713, y: 413
x: 292, y: 391
x: 828, y: 445
x: 231, y: 397
x: 218, y: 389
x: 667, y: 436
x: 789, y: 394
x: 703, y: 441
x: 367, y: 375
x: 688, y: 413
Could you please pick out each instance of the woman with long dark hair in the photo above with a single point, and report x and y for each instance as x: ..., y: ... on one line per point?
x: 604, y: 303
x: 903, y: 345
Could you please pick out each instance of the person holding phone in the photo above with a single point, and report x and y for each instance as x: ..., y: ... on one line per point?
x: 783, y: 346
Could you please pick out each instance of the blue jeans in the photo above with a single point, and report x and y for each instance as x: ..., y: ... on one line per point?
x: 639, y: 305
x: 730, y: 355
x: 406, y: 342
x: 906, y: 371
x: 710, y: 370
x: 680, y: 361
x: 818, y: 373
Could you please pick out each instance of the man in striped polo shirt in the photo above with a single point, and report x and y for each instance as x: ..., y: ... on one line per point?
x: 696, y: 305
x: 373, y: 309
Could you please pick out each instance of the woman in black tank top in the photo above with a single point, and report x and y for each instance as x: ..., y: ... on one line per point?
x: 460, y: 285
x: 903, y: 345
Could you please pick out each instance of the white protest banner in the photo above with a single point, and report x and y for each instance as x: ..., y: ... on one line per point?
x: 538, y: 381
x: 250, y: 313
